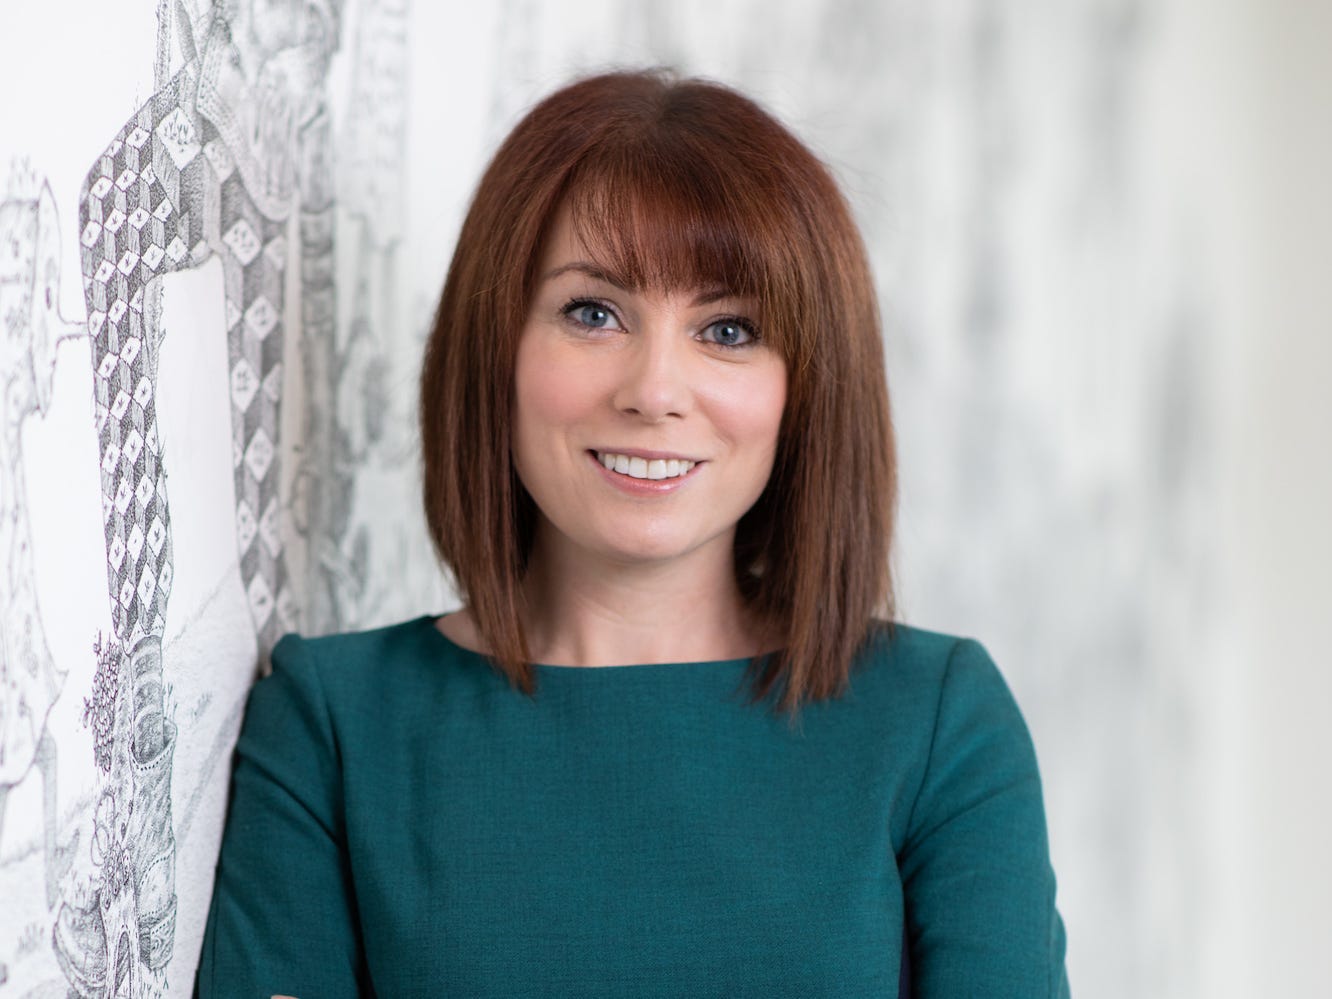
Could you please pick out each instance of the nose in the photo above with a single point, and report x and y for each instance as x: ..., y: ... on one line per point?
x: 654, y: 384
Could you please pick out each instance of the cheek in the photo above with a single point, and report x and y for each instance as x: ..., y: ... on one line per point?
x: 547, y: 395
x: 749, y: 410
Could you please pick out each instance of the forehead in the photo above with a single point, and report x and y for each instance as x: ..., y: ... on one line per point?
x: 659, y: 233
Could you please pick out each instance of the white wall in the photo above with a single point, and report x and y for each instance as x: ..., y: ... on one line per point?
x: 1280, y: 488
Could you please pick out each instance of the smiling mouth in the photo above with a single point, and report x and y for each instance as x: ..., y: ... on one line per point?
x: 643, y: 468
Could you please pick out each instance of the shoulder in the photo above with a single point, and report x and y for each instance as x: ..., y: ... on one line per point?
x: 346, y: 649
x: 907, y: 647
x: 901, y: 661
x: 958, y: 708
x: 351, y: 665
x: 942, y: 696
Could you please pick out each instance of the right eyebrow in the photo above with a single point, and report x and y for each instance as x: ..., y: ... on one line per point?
x: 591, y: 270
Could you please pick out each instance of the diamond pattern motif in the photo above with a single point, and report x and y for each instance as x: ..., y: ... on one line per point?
x: 135, y: 542
x: 133, y: 445
x: 259, y: 455
x: 246, y: 528
x: 261, y: 317
x: 157, y: 535
x: 147, y: 586
x: 244, y: 384
x: 151, y: 204
x: 179, y: 138
x: 268, y: 528
x: 242, y: 241
x: 123, y: 496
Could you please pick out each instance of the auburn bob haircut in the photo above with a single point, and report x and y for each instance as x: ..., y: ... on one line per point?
x: 675, y: 184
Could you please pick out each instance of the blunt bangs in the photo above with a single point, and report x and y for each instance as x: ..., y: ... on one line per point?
x: 673, y: 208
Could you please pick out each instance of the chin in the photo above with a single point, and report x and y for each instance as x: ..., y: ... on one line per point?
x: 645, y: 547
x: 645, y: 552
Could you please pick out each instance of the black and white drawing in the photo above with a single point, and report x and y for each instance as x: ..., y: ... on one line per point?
x: 30, y: 678
x: 214, y: 164
x: 232, y: 159
x: 351, y: 424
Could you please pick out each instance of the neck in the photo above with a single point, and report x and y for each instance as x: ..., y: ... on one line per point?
x: 587, y: 611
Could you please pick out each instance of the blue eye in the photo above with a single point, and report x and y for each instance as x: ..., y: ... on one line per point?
x: 731, y: 333
x: 591, y: 314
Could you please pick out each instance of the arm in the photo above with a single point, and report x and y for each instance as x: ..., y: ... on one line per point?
x: 980, y: 892
x: 283, y: 917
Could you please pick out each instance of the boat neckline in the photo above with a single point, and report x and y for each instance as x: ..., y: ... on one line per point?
x: 428, y: 621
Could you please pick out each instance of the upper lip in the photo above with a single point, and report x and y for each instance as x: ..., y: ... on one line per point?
x: 634, y: 452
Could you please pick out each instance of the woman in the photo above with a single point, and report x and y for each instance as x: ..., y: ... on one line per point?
x: 664, y: 749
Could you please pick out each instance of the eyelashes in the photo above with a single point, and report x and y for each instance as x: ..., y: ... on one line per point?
x: 728, y: 332
x: 733, y: 332
x: 591, y: 314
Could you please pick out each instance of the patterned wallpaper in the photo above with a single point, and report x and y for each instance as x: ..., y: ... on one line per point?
x: 222, y: 228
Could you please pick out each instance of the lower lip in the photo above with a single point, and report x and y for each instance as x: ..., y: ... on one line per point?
x: 643, y: 487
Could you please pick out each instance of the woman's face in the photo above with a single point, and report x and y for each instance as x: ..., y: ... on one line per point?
x: 645, y: 422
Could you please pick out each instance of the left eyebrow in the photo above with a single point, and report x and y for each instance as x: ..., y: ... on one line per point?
x: 591, y: 270
x: 705, y: 297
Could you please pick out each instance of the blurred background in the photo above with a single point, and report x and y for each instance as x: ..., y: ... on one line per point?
x: 1100, y: 235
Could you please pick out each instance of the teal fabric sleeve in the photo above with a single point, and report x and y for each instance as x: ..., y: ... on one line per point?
x: 282, y: 919
x: 980, y: 892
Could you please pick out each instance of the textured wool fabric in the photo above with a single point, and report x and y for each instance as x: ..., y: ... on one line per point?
x: 403, y: 822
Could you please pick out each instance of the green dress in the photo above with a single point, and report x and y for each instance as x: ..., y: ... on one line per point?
x: 403, y: 822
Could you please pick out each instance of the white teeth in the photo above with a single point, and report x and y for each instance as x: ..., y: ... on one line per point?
x: 641, y: 468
